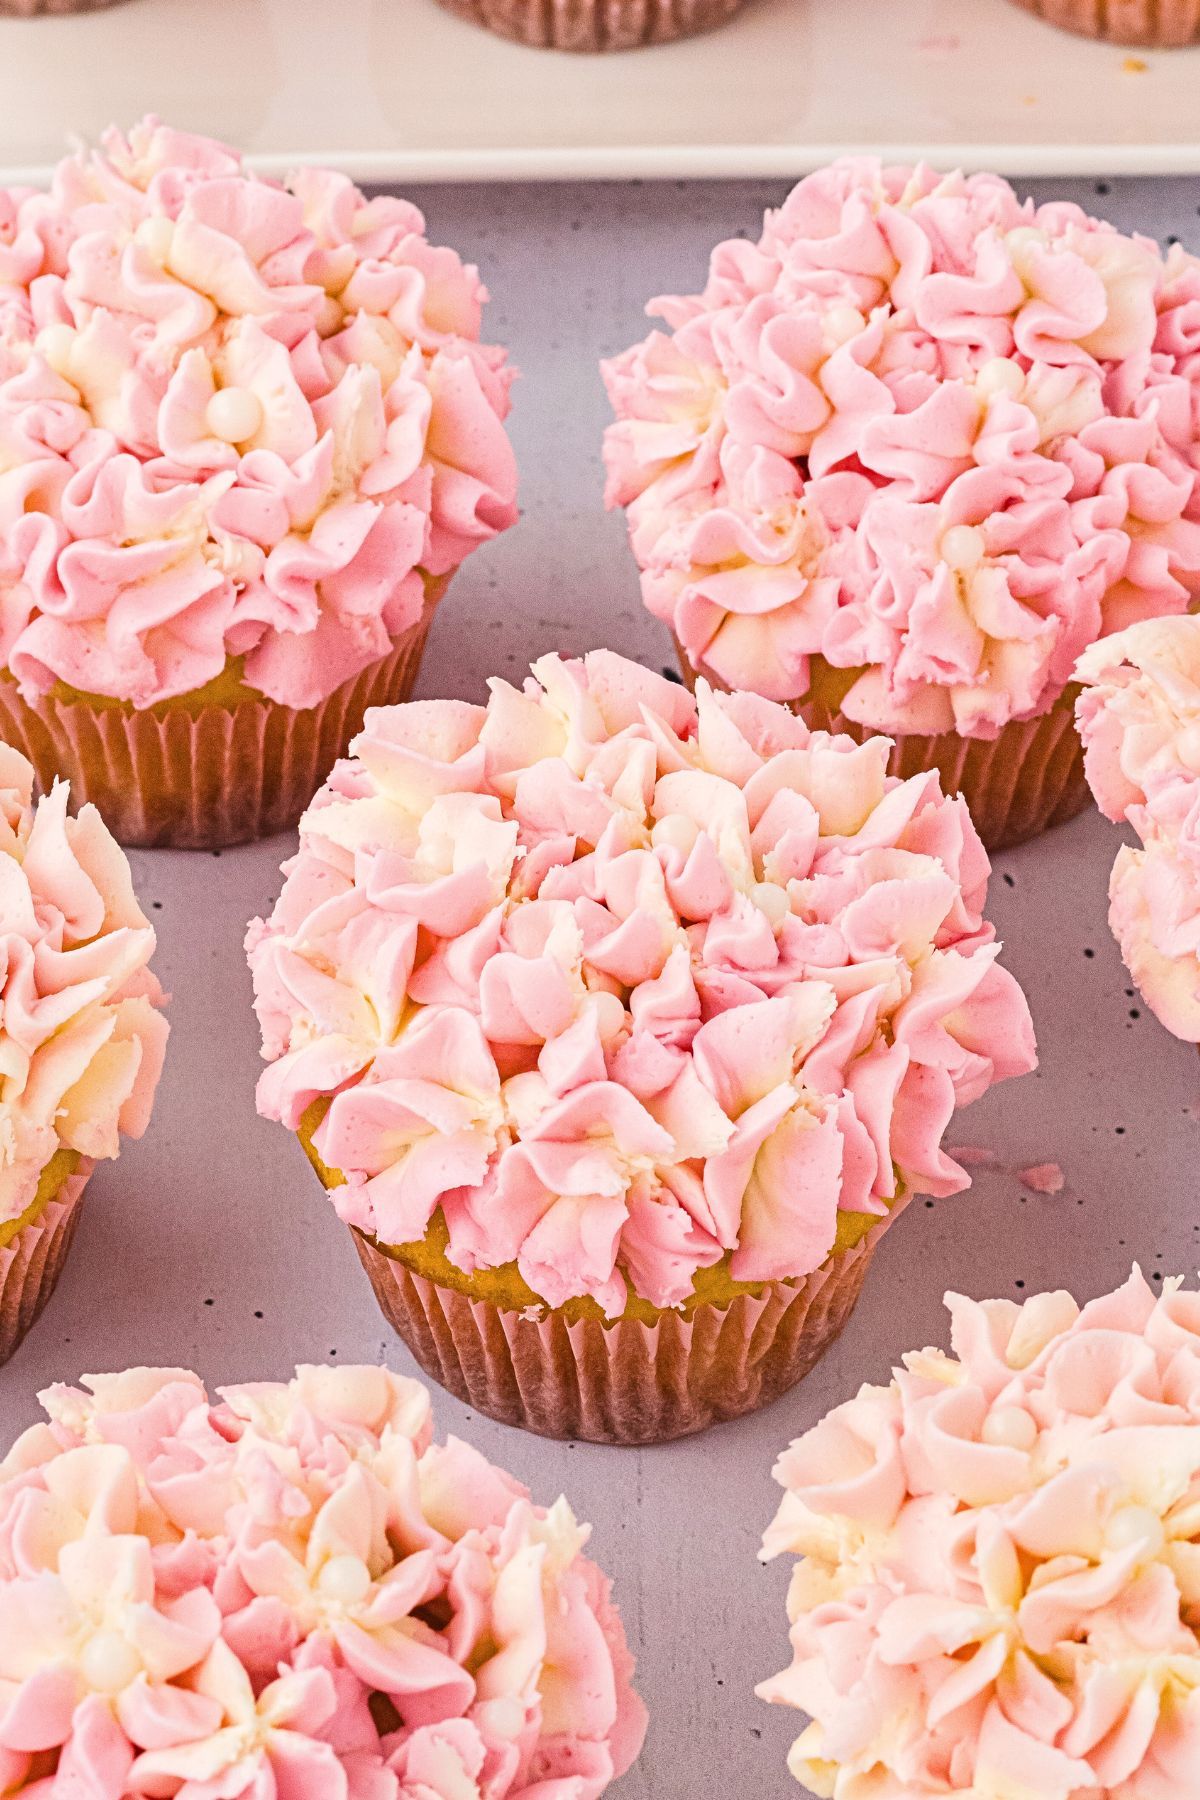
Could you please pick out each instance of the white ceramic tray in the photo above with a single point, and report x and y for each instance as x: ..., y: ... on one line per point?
x: 397, y: 90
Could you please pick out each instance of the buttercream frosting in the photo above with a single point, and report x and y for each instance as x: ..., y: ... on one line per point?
x: 999, y: 1591
x: 293, y: 1590
x: 238, y: 419
x: 627, y: 983
x: 1139, y: 718
x: 933, y: 434
x: 82, y: 1033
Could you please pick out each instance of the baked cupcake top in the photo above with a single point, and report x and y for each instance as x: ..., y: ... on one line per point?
x: 294, y: 1590
x: 1139, y: 718
x: 238, y: 419
x: 81, y: 1031
x: 941, y: 437
x: 1000, y: 1585
x: 628, y: 985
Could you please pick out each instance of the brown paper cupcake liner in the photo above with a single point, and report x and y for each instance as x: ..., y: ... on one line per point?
x: 199, y: 780
x: 1156, y: 24
x: 624, y: 1382
x: 30, y: 9
x: 31, y: 1264
x: 1017, y: 785
x: 594, y: 24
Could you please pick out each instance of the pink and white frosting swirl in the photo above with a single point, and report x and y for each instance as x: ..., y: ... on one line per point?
x: 626, y: 983
x: 81, y: 1031
x: 1000, y: 1587
x: 294, y: 1592
x: 237, y: 419
x: 1139, y: 717
x: 924, y: 430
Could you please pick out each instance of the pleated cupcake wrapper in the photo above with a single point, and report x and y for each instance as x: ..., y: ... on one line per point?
x: 30, y: 9
x: 625, y: 1382
x: 223, y: 775
x: 594, y: 24
x: 1158, y: 24
x: 30, y: 1266
x: 1017, y: 784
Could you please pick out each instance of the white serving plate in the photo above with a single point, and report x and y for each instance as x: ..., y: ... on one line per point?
x: 397, y: 90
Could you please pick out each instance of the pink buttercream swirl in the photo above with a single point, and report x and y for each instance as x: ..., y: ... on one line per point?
x: 237, y: 419
x: 1139, y: 717
x: 923, y: 430
x: 626, y: 983
x: 82, y: 1033
x: 296, y: 1592
x: 1000, y: 1586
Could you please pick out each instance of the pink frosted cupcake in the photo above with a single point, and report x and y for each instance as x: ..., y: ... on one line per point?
x: 619, y: 1026
x: 594, y: 24
x: 247, y: 434
x: 1000, y: 1586
x: 294, y: 1591
x: 81, y: 1033
x: 1139, y: 717
x: 905, y: 457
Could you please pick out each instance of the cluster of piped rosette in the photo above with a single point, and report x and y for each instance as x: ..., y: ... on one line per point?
x: 237, y: 420
x: 294, y: 1591
x: 627, y: 983
x: 82, y: 1033
x: 1000, y: 1586
x: 1139, y: 717
x: 924, y: 430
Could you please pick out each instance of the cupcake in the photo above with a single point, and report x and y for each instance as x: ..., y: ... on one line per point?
x: 1139, y: 718
x: 620, y: 1026
x: 294, y: 1590
x: 81, y: 1030
x: 1157, y: 24
x: 594, y: 24
x: 905, y: 457
x: 999, y: 1591
x: 247, y: 434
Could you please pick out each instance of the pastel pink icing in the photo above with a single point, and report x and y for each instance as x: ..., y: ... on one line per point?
x: 923, y: 430
x: 1139, y: 717
x: 237, y: 419
x: 82, y: 1033
x: 1000, y: 1587
x: 294, y: 1594
x: 625, y: 983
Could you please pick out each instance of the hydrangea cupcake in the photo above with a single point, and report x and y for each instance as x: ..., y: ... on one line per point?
x: 594, y: 24
x: 908, y: 455
x: 620, y: 1025
x: 294, y: 1590
x: 1139, y: 718
x: 247, y: 434
x: 1157, y: 24
x: 81, y: 1030
x: 1000, y: 1585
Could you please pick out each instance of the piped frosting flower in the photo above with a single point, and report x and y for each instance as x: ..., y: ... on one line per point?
x: 999, y: 1590
x: 238, y: 419
x: 1139, y: 717
x: 294, y: 1590
x: 937, y: 436
x: 625, y: 984
x: 81, y: 1031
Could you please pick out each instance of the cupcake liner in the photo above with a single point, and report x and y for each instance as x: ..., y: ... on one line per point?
x: 222, y: 775
x: 31, y: 9
x: 1017, y: 784
x: 624, y: 1382
x: 594, y: 24
x: 1158, y: 24
x: 31, y: 1264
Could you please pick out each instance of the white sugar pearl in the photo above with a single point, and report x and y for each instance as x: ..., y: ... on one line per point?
x: 155, y: 236
x: 234, y: 414
x: 1011, y: 1428
x: 1000, y: 376
x: 675, y: 832
x: 610, y: 1013
x: 345, y: 1579
x: 843, y: 323
x: 56, y: 343
x: 109, y: 1663
x: 963, y: 547
x: 772, y: 901
x: 1135, y: 1526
